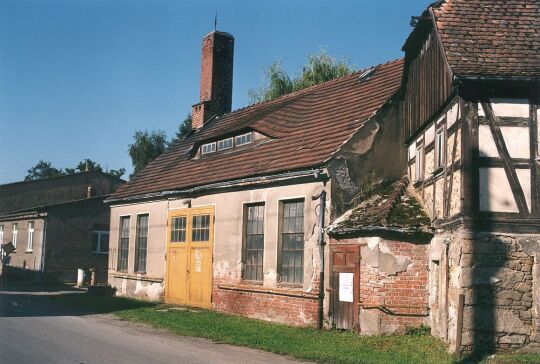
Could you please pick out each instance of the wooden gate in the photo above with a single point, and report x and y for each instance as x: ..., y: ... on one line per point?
x: 190, y: 236
x: 345, y: 289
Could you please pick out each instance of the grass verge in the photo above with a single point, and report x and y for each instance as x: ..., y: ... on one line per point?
x: 299, y: 342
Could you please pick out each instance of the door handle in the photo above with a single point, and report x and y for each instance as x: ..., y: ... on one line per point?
x: 188, y: 271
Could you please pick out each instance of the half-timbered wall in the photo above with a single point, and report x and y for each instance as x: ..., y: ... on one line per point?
x: 507, y: 151
x: 438, y: 183
x: 428, y: 87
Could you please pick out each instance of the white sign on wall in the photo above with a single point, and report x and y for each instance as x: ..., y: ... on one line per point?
x: 346, y: 285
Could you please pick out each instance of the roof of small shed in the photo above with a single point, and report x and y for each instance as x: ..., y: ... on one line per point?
x: 390, y: 208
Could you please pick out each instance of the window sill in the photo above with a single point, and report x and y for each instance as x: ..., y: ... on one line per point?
x: 29, y: 251
x: 100, y: 252
x: 289, y: 285
x: 438, y: 171
x: 418, y: 183
x: 138, y: 277
x: 248, y: 282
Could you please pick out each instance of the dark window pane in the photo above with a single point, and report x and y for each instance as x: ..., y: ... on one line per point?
x: 254, y: 244
x: 141, y: 243
x: 178, y: 229
x: 104, y: 243
x: 95, y: 242
x: 292, y: 242
x: 200, y: 228
x: 123, y: 244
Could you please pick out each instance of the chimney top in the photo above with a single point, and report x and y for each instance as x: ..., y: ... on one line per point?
x: 216, y: 78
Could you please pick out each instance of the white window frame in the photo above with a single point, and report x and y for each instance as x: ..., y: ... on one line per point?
x: 100, y: 233
x: 221, y: 147
x: 419, y: 163
x: 1, y: 234
x: 238, y: 137
x: 440, y: 147
x: 208, y: 148
x: 15, y: 235
x: 30, y: 242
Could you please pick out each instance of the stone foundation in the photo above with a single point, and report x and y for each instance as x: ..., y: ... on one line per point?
x: 498, y: 276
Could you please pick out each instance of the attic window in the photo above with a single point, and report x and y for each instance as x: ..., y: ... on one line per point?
x: 225, y: 144
x: 367, y: 74
x: 208, y: 148
x: 243, y: 139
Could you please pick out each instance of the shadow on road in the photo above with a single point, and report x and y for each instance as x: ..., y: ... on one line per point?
x: 26, y: 300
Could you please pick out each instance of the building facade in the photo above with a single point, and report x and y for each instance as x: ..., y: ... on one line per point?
x: 229, y: 218
x: 57, y: 225
x: 470, y: 117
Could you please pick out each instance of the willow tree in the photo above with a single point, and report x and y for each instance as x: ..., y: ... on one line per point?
x: 320, y: 67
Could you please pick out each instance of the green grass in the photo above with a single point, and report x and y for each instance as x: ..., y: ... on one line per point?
x: 299, y: 342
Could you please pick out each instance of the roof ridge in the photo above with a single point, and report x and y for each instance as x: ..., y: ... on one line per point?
x: 387, y: 207
x: 310, y: 88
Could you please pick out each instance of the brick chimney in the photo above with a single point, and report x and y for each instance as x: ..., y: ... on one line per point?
x: 216, y: 78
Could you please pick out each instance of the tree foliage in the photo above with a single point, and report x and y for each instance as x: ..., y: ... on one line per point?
x: 41, y: 170
x: 88, y: 165
x: 146, y: 147
x: 184, y: 129
x: 320, y: 67
x: 45, y: 169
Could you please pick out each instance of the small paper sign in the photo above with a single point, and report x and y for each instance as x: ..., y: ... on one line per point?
x: 346, y: 291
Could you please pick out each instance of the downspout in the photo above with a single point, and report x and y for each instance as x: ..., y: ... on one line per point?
x: 43, y: 241
x: 322, y: 207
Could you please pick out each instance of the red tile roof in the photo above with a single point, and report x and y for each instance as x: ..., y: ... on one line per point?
x: 306, y: 128
x: 490, y: 37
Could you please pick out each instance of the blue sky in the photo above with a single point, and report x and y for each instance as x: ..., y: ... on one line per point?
x: 78, y: 77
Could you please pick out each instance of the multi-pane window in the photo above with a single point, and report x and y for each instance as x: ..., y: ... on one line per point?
x: 225, y: 144
x: 30, y: 244
x: 178, y: 229
x: 141, y: 244
x: 243, y: 139
x: 440, y: 148
x: 208, y: 148
x: 15, y: 234
x: 123, y: 244
x: 1, y: 234
x: 292, y: 241
x: 254, y: 242
x: 419, y: 163
x: 200, y: 228
x: 100, y: 240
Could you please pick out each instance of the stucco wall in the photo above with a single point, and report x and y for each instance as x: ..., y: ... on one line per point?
x: 25, y: 263
x: 227, y: 248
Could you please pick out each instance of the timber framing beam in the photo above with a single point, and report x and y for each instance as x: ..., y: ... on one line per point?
x: 505, y: 158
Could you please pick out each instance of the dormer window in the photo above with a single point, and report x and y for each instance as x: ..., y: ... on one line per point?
x: 225, y: 144
x: 243, y: 139
x: 208, y: 148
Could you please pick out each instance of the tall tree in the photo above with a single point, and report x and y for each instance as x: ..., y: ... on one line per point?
x: 320, y: 67
x: 184, y: 129
x: 146, y: 147
x: 87, y: 165
x: 41, y: 170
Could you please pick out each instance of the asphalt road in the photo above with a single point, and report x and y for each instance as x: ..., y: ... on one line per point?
x: 33, y: 329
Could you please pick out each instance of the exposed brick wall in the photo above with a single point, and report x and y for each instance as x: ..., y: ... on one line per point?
x: 404, y: 288
x: 393, y: 274
x: 299, y: 311
x: 216, y: 78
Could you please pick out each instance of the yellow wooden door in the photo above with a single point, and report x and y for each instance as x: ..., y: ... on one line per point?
x: 190, y: 237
